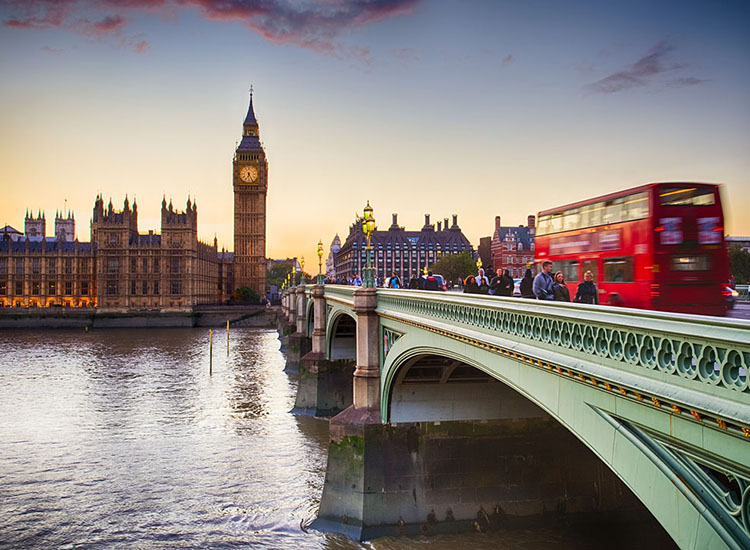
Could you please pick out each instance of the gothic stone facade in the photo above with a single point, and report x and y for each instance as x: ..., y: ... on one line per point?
x: 118, y: 268
x: 250, y: 184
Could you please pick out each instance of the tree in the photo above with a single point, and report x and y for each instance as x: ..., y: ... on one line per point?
x: 245, y: 295
x: 453, y: 266
x: 739, y: 264
x: 277, y: 273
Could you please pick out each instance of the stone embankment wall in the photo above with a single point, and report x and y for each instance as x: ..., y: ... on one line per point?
x: 66, y: 318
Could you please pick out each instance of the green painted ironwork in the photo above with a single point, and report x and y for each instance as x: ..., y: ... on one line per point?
x: 675, y: 387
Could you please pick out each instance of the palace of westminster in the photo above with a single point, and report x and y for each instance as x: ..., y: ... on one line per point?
x: 122, y: 268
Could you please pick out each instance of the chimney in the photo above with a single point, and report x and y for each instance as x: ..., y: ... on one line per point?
x: 394, y: 225
x: 445, y: 223
x: 427, y: 219
x: 497, y: 222
x: 440, y: 226
x: 427, y: 226
x: 455, y: 220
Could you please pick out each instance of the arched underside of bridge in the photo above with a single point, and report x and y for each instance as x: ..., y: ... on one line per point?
x: 325, y: 384
x: 562, y: 439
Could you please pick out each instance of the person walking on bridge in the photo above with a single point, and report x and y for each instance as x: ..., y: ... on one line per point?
x: 587, y: 293
x: 527, y: 285
x: 543, y: 283
x: 562, y: 294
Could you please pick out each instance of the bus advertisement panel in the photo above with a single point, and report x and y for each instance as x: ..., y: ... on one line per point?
x: 658, y: 246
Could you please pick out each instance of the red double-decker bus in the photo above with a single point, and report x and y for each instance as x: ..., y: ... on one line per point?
x: 657, y: 246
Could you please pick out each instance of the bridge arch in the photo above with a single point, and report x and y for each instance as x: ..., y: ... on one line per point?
x: 341, y: 335
x: 309, y: 317
x: 631, y: 441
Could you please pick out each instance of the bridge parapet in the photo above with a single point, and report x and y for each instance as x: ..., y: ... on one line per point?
x: 686, y: 353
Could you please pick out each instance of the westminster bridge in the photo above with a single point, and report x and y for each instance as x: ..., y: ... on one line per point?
x: 468, y: 410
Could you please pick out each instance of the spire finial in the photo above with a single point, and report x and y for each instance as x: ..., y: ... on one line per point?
x: 251, y: 91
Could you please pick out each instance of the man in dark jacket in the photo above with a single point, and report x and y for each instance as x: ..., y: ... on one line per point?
x: 414, y: 283
x: 430, y: 283
x: 502, y: 284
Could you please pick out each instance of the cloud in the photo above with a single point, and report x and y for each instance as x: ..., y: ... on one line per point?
x: 50, y: 49
x: 311, y: 24
x: 643, y: 72
x: 508, y: 59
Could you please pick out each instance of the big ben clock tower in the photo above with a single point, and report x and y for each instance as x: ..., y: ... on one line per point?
x: 250, y: 182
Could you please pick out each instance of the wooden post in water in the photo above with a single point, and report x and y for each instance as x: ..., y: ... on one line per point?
x: 227, y: 337
x: 210, y: 351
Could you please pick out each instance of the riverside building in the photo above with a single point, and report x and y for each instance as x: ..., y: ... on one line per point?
x: 405, y: 252
x: 123, y: 269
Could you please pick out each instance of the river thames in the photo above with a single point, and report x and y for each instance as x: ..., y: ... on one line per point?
x: 122, y: 439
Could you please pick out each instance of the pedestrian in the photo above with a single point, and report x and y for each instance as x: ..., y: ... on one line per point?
x: 543, y: 283
x: 502, y: 283
x: 357, y: 281
x: 470, y: 285
x: 527, y: 285
x: 414, y: 282
x: 560, y: 289
x: 587, y: 292
x: 394, y: 281
x: 482, y: 282
x: 430, y: 282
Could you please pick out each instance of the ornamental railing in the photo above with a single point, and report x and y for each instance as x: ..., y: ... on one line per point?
x: 688, y: 352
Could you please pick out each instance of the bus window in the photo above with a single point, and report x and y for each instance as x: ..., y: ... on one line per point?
x: 637, y: 206
x: 555, y: 223
x: 543, y: 225
x: 687, y: 196
x: 593, y: 267
x: 618, y: 270
x: 613, y: 212
x: 571, y: 220
x: 596, y: 214
x: 691, y: 263
x: 570, y: 270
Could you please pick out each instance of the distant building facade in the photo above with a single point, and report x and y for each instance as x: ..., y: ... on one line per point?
x: 36, y: 270
x: 118, y: 268
x: 331, y: 259
x: 405, y: 252
x: 513, y: 246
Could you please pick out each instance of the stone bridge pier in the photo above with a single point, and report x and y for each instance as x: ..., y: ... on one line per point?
x: 287, y: 323
x: 325, y: 385
x: 298, y: 342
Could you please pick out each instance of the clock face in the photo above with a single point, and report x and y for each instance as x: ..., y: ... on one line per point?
x: 248, y: 174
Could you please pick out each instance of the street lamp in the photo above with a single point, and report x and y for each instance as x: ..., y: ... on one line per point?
x: 320, y: 262
x: 294, y: 274
x: 302, y: 271
x: 368, y: 227
x: 479, y: 264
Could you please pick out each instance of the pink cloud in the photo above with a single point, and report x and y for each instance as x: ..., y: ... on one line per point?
x: 311, y: 24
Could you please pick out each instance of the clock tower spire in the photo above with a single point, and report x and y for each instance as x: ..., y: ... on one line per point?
x: 250, y: 183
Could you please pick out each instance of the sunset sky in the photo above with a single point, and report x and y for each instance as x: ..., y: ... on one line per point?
x: 470, y: 108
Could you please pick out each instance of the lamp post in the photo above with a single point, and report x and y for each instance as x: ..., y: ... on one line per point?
x: 368, y: 227
x: 294, y: 274
x: 479, y: 264
x: 302, y: 271
x: 320, y: 262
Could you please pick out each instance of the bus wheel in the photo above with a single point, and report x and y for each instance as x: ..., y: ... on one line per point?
x: 615, y: 299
